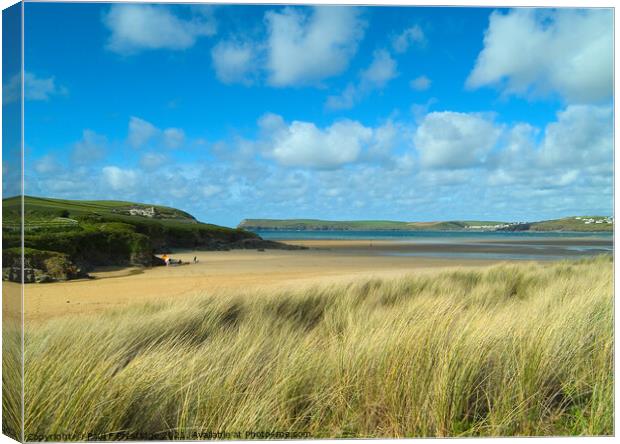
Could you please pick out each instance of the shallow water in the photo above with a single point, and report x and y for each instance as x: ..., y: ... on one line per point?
x: 421, y: 235
x: 465, y: 245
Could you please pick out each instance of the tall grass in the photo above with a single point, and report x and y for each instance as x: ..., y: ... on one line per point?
x: 521, y: 349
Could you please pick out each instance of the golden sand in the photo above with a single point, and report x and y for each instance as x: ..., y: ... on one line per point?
x: 216, y: 271
x: 326, y: 261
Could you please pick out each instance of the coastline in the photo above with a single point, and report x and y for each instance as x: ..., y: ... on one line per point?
x: 238, y: 271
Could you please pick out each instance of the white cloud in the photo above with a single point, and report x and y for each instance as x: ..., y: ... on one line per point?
x: 141, y: 27
x: 306, y: 48
x: 380, y: 72
x: 536, y: 52
x: 454, y: 140
x: 174, y: 137
x: 304, y: 144
x: 382, y: 69
x: 152, y: 161
x: 404, y: 40
x: 385, y: 138
x: 90, y: 148
x: 420, y: 83
x: 47, y: 165
x: 11, y: 91
x: 140, y: 132
x: 35, y: 88
x: 515, y: 182
x: 120, y: 179
x: 234, y: 62
x: 345, y: 100
x: 581, y: 136
x: 211, y: 190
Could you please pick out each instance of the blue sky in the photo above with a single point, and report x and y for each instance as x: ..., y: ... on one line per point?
x: 236, y: 112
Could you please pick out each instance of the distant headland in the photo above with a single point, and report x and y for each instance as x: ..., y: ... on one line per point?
x: 575, y: 223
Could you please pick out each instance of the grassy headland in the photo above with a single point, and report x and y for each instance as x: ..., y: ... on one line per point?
x: 513, y: 349
x: 317, y: 224
x: 72, y: 236
x: 585, y: 223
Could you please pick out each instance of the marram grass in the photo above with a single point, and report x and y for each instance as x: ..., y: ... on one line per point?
x: 513, y: 349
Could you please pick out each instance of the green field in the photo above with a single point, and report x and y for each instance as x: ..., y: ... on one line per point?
x: 507, y: 350
x: 565, y: 224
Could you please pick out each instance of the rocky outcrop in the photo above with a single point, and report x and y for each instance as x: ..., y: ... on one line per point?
x: 39, y: 266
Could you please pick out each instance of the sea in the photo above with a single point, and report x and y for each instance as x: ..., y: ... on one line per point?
x: 494, y: 245
x: 422, y: 235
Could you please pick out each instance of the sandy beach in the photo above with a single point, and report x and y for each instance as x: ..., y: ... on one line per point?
x: 326, y: 261
x: 216, y: 271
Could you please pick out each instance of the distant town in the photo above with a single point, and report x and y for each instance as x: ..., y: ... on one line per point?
x: 596, y: 220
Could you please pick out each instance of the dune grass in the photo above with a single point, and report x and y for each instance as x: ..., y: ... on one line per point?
x: 513, y: 349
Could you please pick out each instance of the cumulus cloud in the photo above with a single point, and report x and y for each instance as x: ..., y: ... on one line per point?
x: 211, y: 190
x: 234, y: 62
x: 581, y: 136
x: 11, y: 90
x: 382, y: 69
x: 41, y: 88
x: 535, y: 52
x: 140, y: 132
x: 47, y: 165
x: 152, y: 161
x: 174, y: 137
x: 421, y: 83
x: 90, y: 148
x: 306, y: 48
x: 447, y: 164
x: 136, y: 27
x: 408, y: 37
x: 455, y: 140
x: 303, y: 144
x: 35, y: 88
x: 387, y: 139
x: 120, y: 179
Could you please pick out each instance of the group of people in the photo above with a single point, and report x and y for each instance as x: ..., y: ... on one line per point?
x: 169, y: 261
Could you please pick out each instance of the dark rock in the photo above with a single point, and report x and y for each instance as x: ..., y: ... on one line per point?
x: 40, y: 266
x: 142, y: 258
x: 157, y: 261
x: 12, y: 274
x: 29, y: 275
x: 40, y: 277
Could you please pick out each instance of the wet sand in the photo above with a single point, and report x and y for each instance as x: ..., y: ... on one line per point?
x: 326, y: 261
x: 551, y: 247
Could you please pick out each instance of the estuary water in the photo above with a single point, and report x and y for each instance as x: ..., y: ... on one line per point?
x: 493, y: 245
x: 402, y: 235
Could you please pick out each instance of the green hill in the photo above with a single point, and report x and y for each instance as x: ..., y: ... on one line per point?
x: 66, y: 238
x: 577, y: 223
x: 574, y: 223
x: 316, y: 224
